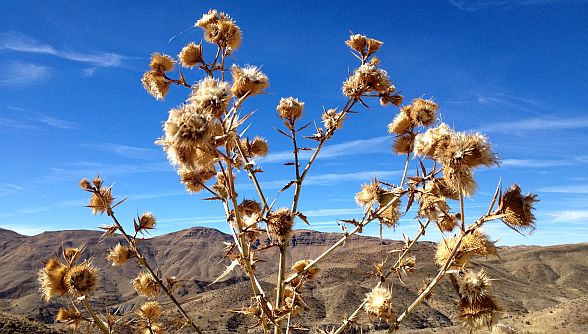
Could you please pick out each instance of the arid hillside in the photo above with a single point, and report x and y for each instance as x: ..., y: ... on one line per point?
x: 541, y: 289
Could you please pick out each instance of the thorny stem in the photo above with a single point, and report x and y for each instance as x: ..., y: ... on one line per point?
x: 97, y: 321
x: 251, y: 174
x: 405, y: 169
x: 349, y: 319
x: 143, y: 263
x: 461, y: 209
x: 358, y: 228
x: 450, y: 259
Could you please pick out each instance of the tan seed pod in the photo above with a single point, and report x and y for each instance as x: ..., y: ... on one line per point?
x: 150, y: 311
x: 301, y: 264
x: 191, y: 55
x: 119, y: 255
x: 518, y: 209
x: 290, y: 108
x: 378, y: 302
x: 101, y: 203
x: 280, y: 224
x: 81, y: 280
x: 52, y: 279
x: 146, y: 285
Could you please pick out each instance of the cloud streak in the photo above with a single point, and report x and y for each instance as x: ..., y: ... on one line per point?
x: 131, y: 152
x: 474, y: 5
x: 537, y: 124
x: 570, y: 189
x: 353, y: 147
x: 18, y: 42
x: 17, y: 73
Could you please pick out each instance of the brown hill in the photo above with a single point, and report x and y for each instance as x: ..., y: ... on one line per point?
x: 530, y: 280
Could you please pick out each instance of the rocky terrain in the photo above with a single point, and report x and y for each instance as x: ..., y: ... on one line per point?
x: 541, y: 289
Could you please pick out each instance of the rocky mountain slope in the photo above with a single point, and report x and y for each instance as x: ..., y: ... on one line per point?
x: 536, y: 286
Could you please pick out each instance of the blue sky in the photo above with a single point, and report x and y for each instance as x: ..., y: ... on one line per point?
x: 71, y: 104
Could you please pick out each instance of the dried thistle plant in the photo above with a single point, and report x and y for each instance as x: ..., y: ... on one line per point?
x: 204, y: 139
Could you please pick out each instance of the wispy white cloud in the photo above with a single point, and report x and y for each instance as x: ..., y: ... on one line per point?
x: 82, y: 169
x: 31, y: 120
x: 332, y: 212
x: 537, y: 123
x: 131, y: 152
x: 569, y: 189
x: 17, y: 73
x: 18, y: 42
x: 531, y: 163
x: 473, y: 5
x: 10, y: 189
x: 353, y: 147
x: 88, y: 72
x: 569, y: 216
x: 56, y: 122
x: 330, y: 179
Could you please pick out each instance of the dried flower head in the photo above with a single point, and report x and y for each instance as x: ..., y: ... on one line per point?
x: 249, y: 207
x: 280, y: 224
x: 479, y: 244
x: 222, y: 185
x: 332, y: 119
x: 211, y: 96
x: 187, y: 126
x: 146, y: 285
x: 101, y: 201
x: 257, y: 147
x: 368, y: 195
x: 423, y: 111
x: 51, y: 278
x: 150, y: 311
x: 391, y: 215
x: 401, y: 123
x: 403, y: 143
x: 191, y: 55
x: 248, y: 81
x: 155, y: 84
x: 433, y: 206
x: 119, y: 255
x: 378, y: 302
x: 426, y: 144
x: 310, y: 273
x: 367, y: 78
x: 161, y: 63
x: 478, y: 314
x: 81, y: 280
x: 72, y: 317
x: 147, y: 220
x: 290, y: 108
x: 475, y: 285
x: 518, y: 209
x: 444, y: 250
x: 85, y: 184
x: 194, y: 178
x: 220, y: 29
x: 364, y: 45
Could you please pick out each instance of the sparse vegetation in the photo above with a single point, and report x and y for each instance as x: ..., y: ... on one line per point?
x: 206, y: 141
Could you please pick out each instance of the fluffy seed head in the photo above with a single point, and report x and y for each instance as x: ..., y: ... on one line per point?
x: 147, y: 220
x: 478, y: 314
x: 426, y: 144
x: 51, y: 278
x: 119, y: 255
x: 299, y: 266
x: 220, y: 29
x: 364, y: 45
x: 145, y: 285
x: 102, y: 202
x: 367, y: 78
x: 211, y: 96
x: 332, y: 119
x: 368, y: 195
x: 479, y: 244
x: 222, y: 186
x: 85, y: 184
x: 191, y: 55
x: 290, y: 108
x: 474, y: 285
x: 423, y: 111
x: 444, y: 249
x: 280, y: 224
x: 70, y: 316
x: 150, y: 311
x: 460, y: 177
x: 402, y: 144
x: 155, y: 84
x: 187, y: 126
x: 194, y: 178
x: 81, y: 280
x: 161, y: 63
x: 391, y: 215
x: 401, y: 123
x: 258, y: 147
x: 518, y: 208
x: 248, y: 81
x: 378, y: 302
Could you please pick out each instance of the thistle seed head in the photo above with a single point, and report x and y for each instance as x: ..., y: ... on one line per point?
x: 378, y: 302
x: 146, y: 285
x: 191, y: 55
x: 81, y: 280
